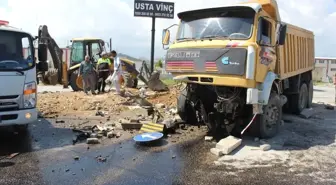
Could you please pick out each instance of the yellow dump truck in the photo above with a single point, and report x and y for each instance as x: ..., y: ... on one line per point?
x: 242, y: 65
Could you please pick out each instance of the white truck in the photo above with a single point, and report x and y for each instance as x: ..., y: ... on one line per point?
x: 18, y: 88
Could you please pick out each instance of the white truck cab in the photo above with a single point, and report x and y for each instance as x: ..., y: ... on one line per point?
x: 18, y: 86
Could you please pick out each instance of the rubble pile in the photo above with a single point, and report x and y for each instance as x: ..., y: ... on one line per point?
x: 54, y: 104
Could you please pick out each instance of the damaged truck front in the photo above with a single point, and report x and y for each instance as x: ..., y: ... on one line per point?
x: 241, y: 64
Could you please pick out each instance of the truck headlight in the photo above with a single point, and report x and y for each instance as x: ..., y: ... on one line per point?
x: 29, y: 95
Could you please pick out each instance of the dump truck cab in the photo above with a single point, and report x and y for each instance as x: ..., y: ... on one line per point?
x: 234, y: 37
x: 228, y: 57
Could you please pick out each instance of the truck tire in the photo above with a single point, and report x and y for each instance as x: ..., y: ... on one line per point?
x: 184, y: 109
x: 300, y: 101
x: 267, y: 124
x: 310, y: 94
x: 73, y: 79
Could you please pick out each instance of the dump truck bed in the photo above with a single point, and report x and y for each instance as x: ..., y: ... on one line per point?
x: 297, y: 55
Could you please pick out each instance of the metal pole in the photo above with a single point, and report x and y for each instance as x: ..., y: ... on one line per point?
x: 110, y: 44
x: 152, y: 45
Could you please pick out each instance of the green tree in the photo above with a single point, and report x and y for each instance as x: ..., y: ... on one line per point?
x: 159, y: 64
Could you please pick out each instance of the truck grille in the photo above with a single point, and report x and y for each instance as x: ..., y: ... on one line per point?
x: 9, y: 103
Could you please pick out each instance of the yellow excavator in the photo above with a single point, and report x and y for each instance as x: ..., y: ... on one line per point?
x: 59, y: 72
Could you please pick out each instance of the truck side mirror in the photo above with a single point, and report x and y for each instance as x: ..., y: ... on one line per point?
x: 165, y: 37
x: 281, y: 33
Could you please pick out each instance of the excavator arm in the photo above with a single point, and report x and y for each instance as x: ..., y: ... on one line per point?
x: 56, y: 53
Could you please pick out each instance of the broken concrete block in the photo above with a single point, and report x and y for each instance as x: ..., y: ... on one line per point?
x: 307, y: 113
x: 92, y: 141
x: 208, y: 138
x: 228, y: 144
x: 265, y: 147
x: 216, y: 151
x: 110, y: 134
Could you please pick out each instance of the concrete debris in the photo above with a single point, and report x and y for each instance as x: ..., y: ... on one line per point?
x: 329, y: 107
x: 217, y: 152
x: 208, y: 138
x: 131, y: 126
x: 173, y: 111
x: 92, y: 141
x: 228, y: 144
x: 101, y: 159
x: 93, y: 135
x: 118, y: 135
x: 265, y: 147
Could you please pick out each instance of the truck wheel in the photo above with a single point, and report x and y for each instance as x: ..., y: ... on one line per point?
x: 267, y: 124
x: 73, y: 81
x: 310, y: 94
x: 300, y: 101
x: 184, y: 109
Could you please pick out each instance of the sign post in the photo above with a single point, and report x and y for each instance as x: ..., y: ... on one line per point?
x: 153, y: 9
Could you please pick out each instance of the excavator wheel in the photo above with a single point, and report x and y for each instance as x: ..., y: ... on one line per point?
x: 128, y: 80
x: 75, y: 81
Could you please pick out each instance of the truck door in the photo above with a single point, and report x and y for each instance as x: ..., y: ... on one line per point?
x: 266, y: 56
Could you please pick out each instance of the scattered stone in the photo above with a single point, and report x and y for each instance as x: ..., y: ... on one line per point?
x: 130, y: 126
x: 73, y: 173
x: 169, y: 135
x: 174, y: 156
x: 53, y: 171
x: 135, y: 121
x: 208, y: 138
x: 60, y: 121
x: 76, y: 158
x: 160, y: 106
x: 256, y: 139
x: 263, y: 141
x: 110, y: 134
x: 118, y: 135
x: 67, y: 170
x: 329, y: 107
x: 228, y: 144
x: 307, y: 113
x: 265, y: 147
x: 100, y: 135
x: 216, y: 152
x: 101, y: 159
x: 92, y: 141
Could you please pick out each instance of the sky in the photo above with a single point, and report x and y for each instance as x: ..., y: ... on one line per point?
x: 131, y: 35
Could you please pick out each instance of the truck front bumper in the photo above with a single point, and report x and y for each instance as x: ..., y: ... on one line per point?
x: 19, y: 117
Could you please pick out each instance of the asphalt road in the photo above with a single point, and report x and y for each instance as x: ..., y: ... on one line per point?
x: 46, y: 156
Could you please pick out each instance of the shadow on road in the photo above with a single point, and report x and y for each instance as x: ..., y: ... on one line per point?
x: 41, y: 135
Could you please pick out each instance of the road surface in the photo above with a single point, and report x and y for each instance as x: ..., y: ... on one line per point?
x: 303, y: 153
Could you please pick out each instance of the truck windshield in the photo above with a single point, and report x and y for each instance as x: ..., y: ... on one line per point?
x: 16, y: 51
x: 228, y: 25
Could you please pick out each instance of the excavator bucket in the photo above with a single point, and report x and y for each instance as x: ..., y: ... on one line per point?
x: 153, y: 80
x: 155, y: 84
